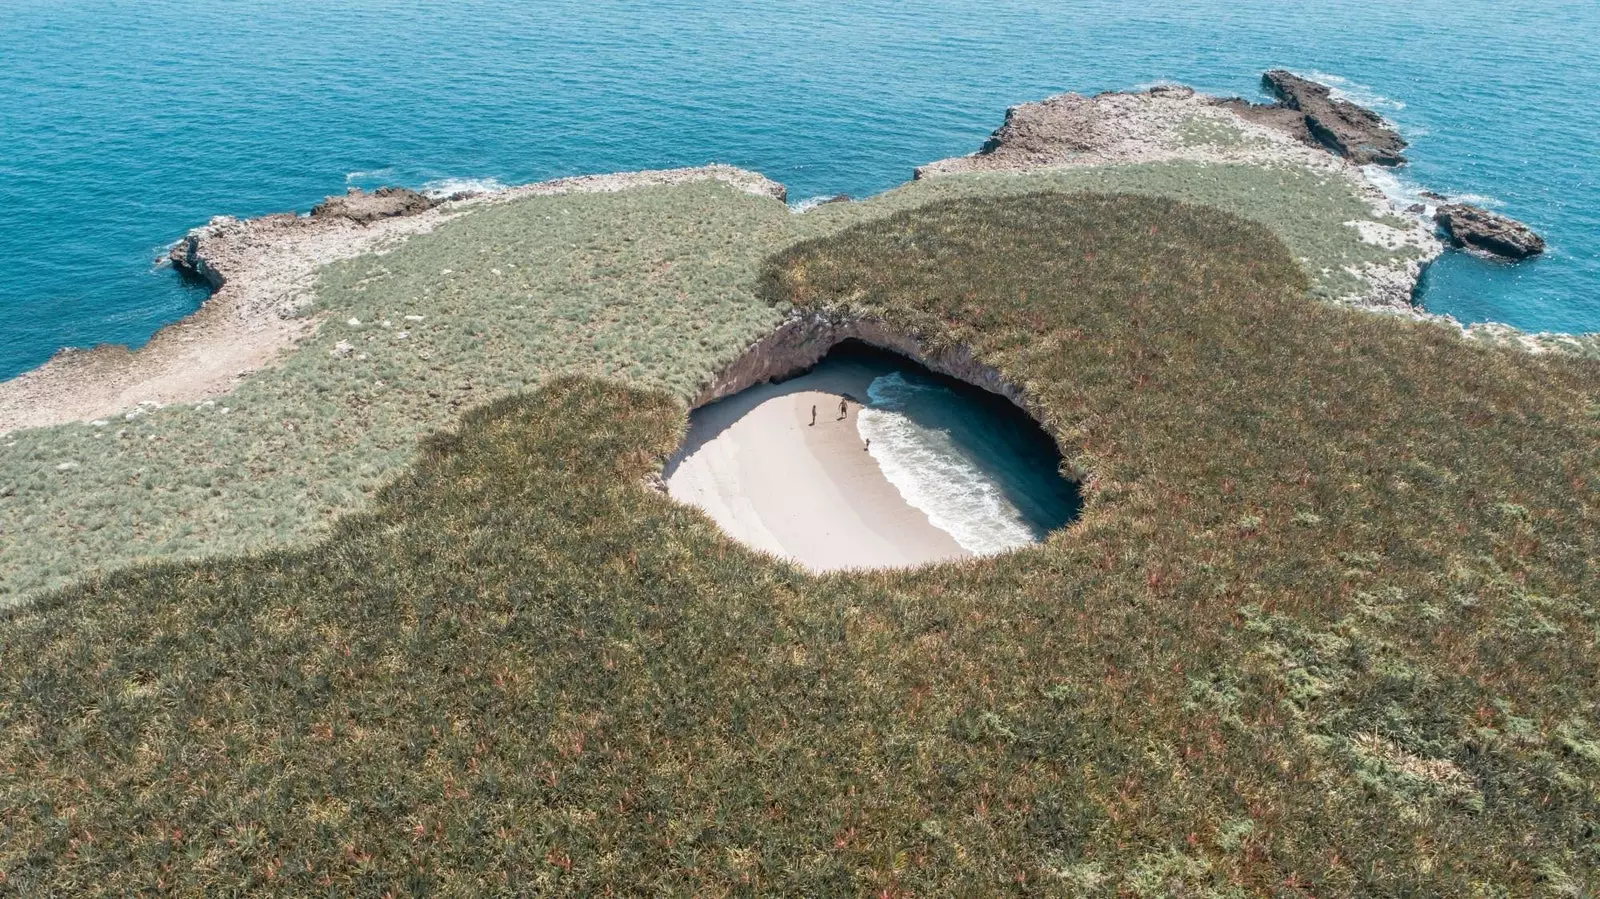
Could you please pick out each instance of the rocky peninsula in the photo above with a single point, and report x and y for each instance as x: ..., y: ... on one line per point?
x: 297, y: 312
x: 263, y: 273
x: 262, y: 270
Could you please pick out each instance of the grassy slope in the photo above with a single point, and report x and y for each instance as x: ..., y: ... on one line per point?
x: 653, y: 286
x: 1327, y: 627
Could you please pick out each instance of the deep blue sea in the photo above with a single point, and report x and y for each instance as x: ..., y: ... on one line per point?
x: 123, y: 123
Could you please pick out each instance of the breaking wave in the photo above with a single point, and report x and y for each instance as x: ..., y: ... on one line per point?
x: 444, y: 187
x: 923, y: 457
x: 1342, y: 88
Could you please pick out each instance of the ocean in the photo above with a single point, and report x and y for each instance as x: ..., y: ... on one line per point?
x: 123, y: 123
x: 978, y: 467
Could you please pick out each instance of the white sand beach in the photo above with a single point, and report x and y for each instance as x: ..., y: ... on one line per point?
x: 810, y: 493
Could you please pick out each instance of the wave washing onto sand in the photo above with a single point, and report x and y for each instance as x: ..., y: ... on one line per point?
x: 934, y: 475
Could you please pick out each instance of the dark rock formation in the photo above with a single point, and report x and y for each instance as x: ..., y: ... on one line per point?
x: 185, y: 257
x: 1357, y: 133
x: 1488, y: 232
x: 363, y: 208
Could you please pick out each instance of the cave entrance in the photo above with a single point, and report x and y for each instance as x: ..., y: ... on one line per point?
x: 918, y: 467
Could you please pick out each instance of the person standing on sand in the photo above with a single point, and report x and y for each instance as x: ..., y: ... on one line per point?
x: 843, y: 408
x: 813, y: 415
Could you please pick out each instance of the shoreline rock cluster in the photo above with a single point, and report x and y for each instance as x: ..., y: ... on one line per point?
x: 1354, y: 132
x: 1475, y: 228
x: 1125, y: 127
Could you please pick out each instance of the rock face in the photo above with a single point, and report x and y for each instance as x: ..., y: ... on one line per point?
x: 800, y: 343
x: 1352, y: 131
x: 363, y: 208
x: 1488, y: 232
x: 1044, y: 131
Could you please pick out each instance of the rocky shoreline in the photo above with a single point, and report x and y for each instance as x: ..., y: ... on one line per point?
x: 262, y: 270
x: 1178, y: 124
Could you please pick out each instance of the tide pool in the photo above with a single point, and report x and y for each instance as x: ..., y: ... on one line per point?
x: 123, y: 124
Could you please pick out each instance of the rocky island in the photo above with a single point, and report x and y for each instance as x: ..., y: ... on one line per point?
x: 363, y: 580
x: 1488, y: 232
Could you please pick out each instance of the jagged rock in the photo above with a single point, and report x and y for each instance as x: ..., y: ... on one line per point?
x: 185, y: 257
x: 1433, y: 195
x: 1489, y: 232
x: 1063, y: 124
x: 1357, y: 133
x: 363, y: 208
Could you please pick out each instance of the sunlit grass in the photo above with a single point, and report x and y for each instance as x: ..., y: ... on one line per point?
x: 1326, y: 627
x: 656, y: 287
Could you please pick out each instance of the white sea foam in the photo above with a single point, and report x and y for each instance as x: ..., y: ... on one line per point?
x: 810, y: 203
x: 444, y: 187
x: 379, y: 174
x: 1403, y: 192
x: 934, y: 475
x: 1342, y: 88
x: 1400, y: 191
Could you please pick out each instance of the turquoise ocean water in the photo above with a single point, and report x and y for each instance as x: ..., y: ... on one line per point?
x: 978, y: 467
x: 123, y: 123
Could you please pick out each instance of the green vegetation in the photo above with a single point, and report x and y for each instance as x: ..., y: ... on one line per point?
x: 1203, y: 131
x: 1327, y: 626
x: 655, y: 287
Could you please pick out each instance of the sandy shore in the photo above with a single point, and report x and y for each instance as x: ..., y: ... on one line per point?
x: 810, y: 493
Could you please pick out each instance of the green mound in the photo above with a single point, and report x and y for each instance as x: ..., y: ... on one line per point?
x: 655, y: 287
x: 1326, y: 627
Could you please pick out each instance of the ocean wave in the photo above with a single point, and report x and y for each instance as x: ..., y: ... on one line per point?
x: 1343, y: 88
x: 1401, y: 192
x: 444, y: 187
x: 375, y: 174
x: 810, y: 203
x: 1404, y: 192
x: 933, y: 475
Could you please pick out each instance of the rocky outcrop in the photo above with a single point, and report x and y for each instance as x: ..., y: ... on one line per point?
x: 1488, y: 232
x: 205, y: 252
x: 1354, y: 132
x: 1065, y: 124
x: 1161, y: 123
x: 363, y: 208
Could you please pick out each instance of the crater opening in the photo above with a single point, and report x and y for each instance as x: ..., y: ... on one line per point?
x: 913, y: 467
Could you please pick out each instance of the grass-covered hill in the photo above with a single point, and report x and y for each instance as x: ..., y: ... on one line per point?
x: 1326, y: 627
x: 655, y: 287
